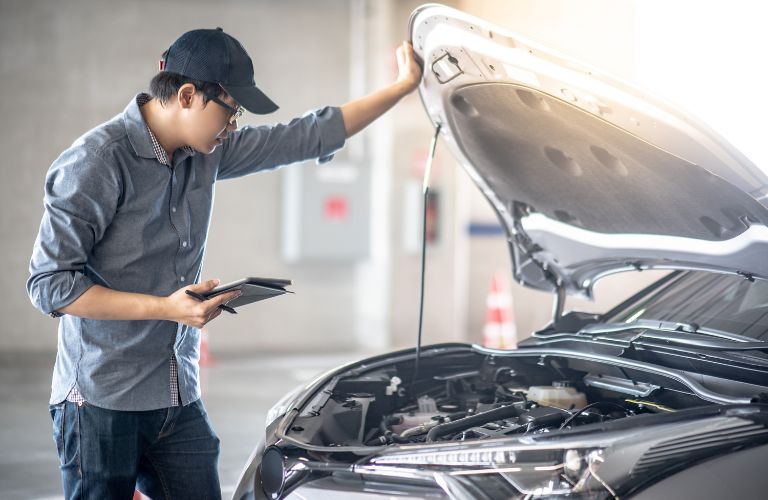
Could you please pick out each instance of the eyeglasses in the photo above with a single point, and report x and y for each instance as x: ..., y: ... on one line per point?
x: 235, y: 113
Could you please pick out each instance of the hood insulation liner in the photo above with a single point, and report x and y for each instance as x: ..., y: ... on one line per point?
x: 576, y: 168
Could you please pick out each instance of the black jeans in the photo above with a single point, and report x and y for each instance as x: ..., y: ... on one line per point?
x: 170, y: 453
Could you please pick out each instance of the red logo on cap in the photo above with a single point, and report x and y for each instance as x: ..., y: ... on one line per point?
x: 161, y: 63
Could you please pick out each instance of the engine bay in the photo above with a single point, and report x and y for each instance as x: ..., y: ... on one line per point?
x: 467, y: 396
x: 459, y: 413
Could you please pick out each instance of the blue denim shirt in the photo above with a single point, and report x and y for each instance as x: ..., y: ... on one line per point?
x: 117, y: 217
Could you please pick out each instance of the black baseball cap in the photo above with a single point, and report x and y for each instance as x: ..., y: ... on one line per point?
x: 213, y: 56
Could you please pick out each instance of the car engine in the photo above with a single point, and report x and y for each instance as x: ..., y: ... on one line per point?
x: 462, y: 411
x: 484, y: 401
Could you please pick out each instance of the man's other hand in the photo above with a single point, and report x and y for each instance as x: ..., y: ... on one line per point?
x: 185, y: 309
x: 408, y: 69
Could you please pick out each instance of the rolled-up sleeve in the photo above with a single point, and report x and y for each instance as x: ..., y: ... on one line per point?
x: 318, y: 134
x: 81, y: 196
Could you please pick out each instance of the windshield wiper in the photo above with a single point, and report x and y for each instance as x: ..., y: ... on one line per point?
x: 695, y: 340
x: 662, y: 326
x: 680, y: 333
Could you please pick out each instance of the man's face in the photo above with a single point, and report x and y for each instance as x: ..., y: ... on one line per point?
x: 208, y: 123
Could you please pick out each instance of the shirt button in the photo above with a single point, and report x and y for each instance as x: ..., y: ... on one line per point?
x: 173, y: 209
x: 183, y: 243
x: 181, y: 279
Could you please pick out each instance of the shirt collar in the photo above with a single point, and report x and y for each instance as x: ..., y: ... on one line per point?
x: 142, y: 139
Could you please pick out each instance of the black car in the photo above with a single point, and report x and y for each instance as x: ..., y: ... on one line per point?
x: 664, y: 396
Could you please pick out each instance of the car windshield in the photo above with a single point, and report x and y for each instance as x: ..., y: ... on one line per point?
x: 712, y: 301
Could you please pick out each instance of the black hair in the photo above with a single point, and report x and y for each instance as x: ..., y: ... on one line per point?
x: 165, y: 85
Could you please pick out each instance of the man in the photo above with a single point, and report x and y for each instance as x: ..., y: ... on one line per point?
x: 127, y: 209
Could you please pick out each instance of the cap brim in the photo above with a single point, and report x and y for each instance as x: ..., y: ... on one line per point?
x: 252, y: 99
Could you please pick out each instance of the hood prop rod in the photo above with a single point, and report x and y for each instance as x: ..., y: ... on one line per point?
x: 521, y: 239
x: 425, y: 189
x: 559, y: 304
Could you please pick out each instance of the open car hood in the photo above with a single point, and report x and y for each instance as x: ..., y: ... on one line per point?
x: 588, y: 175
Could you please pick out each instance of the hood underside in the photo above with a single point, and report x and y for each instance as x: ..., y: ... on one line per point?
x: 588, y: 175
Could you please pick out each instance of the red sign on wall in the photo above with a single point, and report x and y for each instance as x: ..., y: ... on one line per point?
x: 336, y: 208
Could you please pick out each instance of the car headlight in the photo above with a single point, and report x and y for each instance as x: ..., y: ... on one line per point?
x: 533, y: 472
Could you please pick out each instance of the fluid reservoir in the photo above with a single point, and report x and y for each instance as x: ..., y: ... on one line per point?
x: 427, y: 410
x: 559, y: 394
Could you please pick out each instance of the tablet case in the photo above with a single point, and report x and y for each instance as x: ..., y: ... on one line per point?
x: 253, y: 290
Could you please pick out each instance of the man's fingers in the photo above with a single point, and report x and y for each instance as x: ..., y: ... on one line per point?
x: 225, y: 297
x: 409, y: 65
x: 206, y: 317
x: 202, y: 312
x: 212, y: 316
x: 205, y: 286
x: 210, y: 284
x: 400, y: 56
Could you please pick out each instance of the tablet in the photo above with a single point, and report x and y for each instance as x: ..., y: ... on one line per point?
x: 268, y: 282
x: 253, y: 290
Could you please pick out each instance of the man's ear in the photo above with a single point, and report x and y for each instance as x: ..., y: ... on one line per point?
x: 185, y: 95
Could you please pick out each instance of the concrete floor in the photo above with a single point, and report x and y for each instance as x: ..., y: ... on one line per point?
x: 237, y: 393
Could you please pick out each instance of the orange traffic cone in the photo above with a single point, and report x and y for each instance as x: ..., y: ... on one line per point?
x: 206, y: 358
x: 499, y: 331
